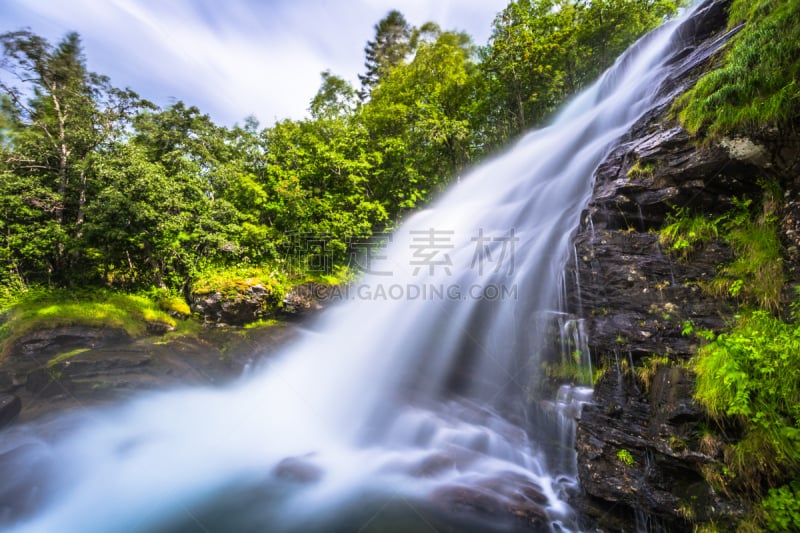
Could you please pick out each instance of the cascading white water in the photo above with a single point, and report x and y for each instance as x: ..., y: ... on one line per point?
x: 413, y: 393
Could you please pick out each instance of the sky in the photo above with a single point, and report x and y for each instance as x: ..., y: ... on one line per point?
x: 233, y: 58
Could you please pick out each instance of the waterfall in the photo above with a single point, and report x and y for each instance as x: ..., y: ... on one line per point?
x: 407, y: 406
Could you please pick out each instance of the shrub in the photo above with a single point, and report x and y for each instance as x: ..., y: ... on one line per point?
x: 781, y: 508
x: 749, y: 375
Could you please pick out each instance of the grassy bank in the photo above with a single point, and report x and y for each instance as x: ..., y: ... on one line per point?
x: 42, y: 309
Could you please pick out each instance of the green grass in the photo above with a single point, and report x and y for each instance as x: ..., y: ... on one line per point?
x: 340, y: 275
x: 748, y: 376
x: 172, y: 303
x: 649, y: 368
x: 233, y: 281
x: 756, y: 275
x: 684, y: 233
x: 39, y: 309
x: 757, y: 83
x: 640, y: 170
x: 264, y: 323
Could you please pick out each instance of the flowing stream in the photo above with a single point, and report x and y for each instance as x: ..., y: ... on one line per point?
x: 409, y: 407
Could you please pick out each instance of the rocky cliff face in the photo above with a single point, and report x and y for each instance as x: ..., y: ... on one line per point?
x: 639, y: 456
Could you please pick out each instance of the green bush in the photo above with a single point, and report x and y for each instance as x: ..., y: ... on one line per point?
x: 781, y: 508
x: 750, y: 375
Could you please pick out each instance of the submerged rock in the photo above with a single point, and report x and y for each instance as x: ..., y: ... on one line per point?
x: 515, y: 502
x: 298, y: 470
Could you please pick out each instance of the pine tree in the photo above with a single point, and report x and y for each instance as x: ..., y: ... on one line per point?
x: 391, y: 45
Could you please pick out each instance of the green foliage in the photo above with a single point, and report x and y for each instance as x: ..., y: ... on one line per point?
x: 749, y: 374
x: 419, y: 122
x: 625, y: 457
x: 756, y: 85
x: 684, y: 233
x: 640, y: 170
x: 756, y: 275
x: 101, y: 188
x: 781, y: 508
x: 45, y: 309
x: 542, y: 51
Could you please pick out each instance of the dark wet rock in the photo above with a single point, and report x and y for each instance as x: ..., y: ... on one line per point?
x: 307, y: 298
x: 515, y: 487
x: 24, y: 471
x: 659, y: 429
x: 484, y: 504
x: 63, y: 339
x: 790, y: 230
x: 256, y: 302
x: 10, y: 406
x: 159, y: 328
x: 235, y: 308
x: 433, y: 466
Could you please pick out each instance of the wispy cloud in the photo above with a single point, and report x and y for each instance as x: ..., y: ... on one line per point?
x: 234, y: 58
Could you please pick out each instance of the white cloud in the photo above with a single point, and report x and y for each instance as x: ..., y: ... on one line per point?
x: 234, y: 58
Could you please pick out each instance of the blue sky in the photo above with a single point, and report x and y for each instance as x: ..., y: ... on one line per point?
x: 233, y: 58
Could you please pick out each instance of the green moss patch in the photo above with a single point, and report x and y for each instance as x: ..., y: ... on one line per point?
x: 38, y: 310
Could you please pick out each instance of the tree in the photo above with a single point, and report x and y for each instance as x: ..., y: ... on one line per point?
x: 542, y: 51
x: 335, y: 98
x: 608, y: 27
x: 527, y: 57
x: 61, y: 115
x: 419, y: 121
x: 389, y: 48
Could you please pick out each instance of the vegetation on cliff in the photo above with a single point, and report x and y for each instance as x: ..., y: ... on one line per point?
x: 747, y: 375
x: 756, y: 84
